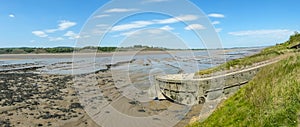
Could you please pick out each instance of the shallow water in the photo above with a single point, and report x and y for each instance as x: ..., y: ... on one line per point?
x: 169, y: 62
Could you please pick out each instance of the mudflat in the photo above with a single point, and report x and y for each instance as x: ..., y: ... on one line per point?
x: 31, y: 97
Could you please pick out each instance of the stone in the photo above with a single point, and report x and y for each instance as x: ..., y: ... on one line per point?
x: 75, y: 105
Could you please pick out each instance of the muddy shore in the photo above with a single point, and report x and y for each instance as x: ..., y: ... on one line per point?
x: 29, y: 99
x: 30, y: 96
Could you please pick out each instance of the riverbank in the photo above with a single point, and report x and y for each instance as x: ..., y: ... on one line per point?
x: 271, y: 98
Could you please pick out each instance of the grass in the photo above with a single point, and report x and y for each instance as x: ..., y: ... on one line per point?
x: 272, y: 98
x: 265, y: 54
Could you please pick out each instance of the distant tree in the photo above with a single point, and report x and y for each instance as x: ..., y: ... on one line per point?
x: 137, y: 46
x: 17, y: 51
x: 60, y: 50
x: 28, y: 50
x: 107, y: 49
x: 9, y: 50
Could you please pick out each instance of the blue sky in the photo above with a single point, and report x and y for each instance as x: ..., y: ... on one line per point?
x: 52, y: 23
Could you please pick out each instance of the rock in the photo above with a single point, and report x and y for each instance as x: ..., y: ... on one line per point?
x: 5, y: 123
x: 64, y: 109
x: 47, y: 116
x: 75, y: 105
x: 141, y: 110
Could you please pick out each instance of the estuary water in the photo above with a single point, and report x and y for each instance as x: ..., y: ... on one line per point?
x: 170, y: 62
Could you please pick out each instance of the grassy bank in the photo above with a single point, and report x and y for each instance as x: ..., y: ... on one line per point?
x: 272, y: 98
x: 265, y: 54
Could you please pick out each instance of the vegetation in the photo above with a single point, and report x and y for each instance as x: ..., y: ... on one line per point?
x: 265, y: 54
x: 59, y: 50
x: 272, y: 98
x: 26, y: 50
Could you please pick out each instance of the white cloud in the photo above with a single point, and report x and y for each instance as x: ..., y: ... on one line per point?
x: 219, y: 30
x: 216, y: 22
x: 101, y: 16
x: 141, y: 31
x: 50, y: 30
x: 64, y: 24
x: 128, y: 33
x: 261, y: 32
x: 178, y: 19
x: 11, y: 15
x: 195, y: 27
x: 216, y: 15
x: 168, y: 28
x: 167, y: 21
x: 56, y: 39
x: 118, y: 10
x: 71, y: 35
x: 39, y: 33
x: 133, y: 25
x: 187, y: 17
x: 141, y: 24
x: 153, y: 37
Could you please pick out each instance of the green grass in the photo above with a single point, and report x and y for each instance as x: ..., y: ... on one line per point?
x: 265, y: 54
x: 272, y: 98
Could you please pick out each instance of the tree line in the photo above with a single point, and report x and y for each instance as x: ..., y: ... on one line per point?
x: 26, y: 50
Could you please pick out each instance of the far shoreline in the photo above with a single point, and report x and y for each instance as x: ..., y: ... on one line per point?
x: 84, y: 54
x: 90, y: 53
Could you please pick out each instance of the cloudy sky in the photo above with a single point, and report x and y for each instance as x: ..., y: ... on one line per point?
x: 52, y: 23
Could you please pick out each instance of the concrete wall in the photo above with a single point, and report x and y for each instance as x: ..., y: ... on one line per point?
x: 191, y: 91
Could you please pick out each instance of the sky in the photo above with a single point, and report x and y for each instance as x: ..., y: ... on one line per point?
x: 54, y: 23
